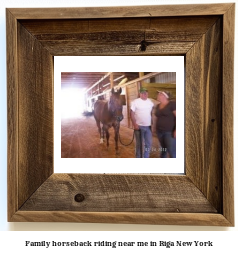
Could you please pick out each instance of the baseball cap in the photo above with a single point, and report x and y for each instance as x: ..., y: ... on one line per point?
x: 143, y: 89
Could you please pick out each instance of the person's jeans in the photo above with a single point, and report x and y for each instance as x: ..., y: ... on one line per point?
x: 167, y: 144
x: 143, y: 141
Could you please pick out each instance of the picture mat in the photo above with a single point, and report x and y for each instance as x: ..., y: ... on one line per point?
x: 120, y: 64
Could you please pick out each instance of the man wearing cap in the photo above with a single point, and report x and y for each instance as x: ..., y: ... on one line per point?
x: 141, y: 109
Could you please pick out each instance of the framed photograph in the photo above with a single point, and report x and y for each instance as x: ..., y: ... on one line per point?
x: 203, y: 194
x: 76, y: 137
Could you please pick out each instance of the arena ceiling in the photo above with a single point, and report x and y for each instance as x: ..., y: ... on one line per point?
x: 85, y: 80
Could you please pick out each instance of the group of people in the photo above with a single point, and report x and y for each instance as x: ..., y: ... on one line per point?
x: 141, y: 117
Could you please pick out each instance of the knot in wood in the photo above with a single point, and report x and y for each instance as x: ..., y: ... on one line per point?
x: 143, y: 45
x: 79, y: 198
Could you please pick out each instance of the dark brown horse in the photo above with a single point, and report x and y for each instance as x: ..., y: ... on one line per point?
x: 109, y: 114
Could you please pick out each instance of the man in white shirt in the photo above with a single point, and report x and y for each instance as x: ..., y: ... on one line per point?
x: 141, y: 109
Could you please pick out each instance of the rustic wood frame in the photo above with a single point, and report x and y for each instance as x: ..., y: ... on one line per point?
x: 203, y: 33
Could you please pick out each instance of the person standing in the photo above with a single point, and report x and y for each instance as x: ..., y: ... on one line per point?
x: 141, y: 109
x: 166, y: 124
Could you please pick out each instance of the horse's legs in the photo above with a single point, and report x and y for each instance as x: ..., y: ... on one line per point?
x: 116, y: 130
x: 107, y: 136
x: 100, y: 131
x: 103, y: 132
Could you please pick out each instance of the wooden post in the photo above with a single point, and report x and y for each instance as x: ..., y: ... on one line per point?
x: 140, y: 84
x: 111, y: 80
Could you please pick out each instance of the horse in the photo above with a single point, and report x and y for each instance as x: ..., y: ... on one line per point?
x: 109, y: 114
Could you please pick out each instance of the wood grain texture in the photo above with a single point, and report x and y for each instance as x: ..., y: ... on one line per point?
x: 117, y: 193
x: 114, y: 12
x: 119, y: 36
x: 208, y: 184
x: 74, y: 48
x: 227, y: 113
x: 12, y: 116
x: 35, y: 111
x: 203, y: 115
x: 59, y: 29
x: 190, y: 219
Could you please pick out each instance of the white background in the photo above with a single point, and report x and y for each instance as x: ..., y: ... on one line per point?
x: 14, y: 241
x: 125, y: 64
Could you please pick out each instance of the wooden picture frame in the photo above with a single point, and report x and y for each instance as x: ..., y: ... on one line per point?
x: 204, y: 34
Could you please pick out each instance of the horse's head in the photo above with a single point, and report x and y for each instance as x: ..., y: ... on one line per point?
x: 115, y: 104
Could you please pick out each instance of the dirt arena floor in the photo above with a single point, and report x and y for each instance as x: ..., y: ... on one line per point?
x: 80, y: 139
